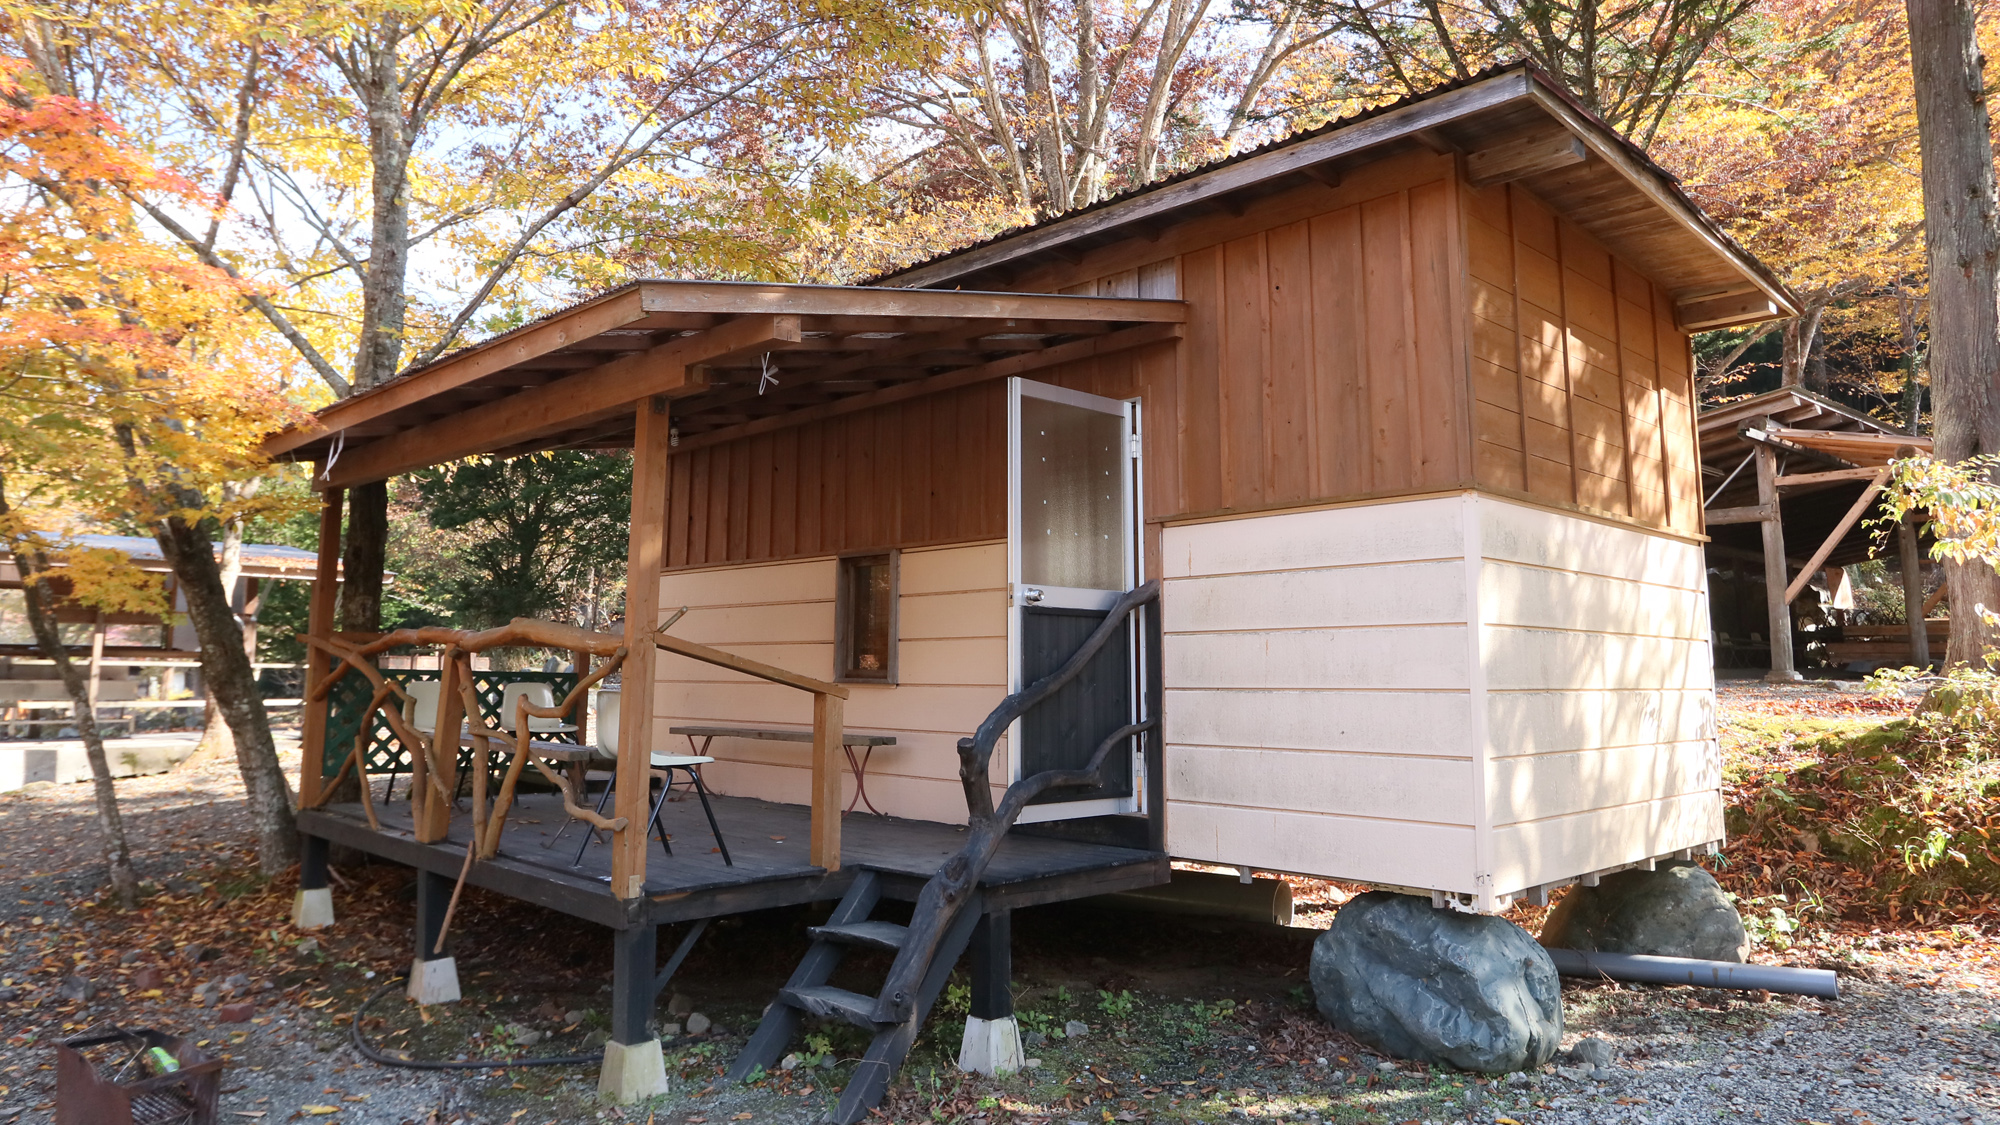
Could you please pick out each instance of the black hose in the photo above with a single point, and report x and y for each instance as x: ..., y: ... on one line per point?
x: 371, y: 1053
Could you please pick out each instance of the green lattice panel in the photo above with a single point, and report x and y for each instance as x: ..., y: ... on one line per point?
x: 385, y: 753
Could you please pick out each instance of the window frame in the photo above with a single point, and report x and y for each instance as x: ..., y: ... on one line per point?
x: 843, y: 615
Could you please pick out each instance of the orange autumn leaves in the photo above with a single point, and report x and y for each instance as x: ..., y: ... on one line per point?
x: 130, y: 383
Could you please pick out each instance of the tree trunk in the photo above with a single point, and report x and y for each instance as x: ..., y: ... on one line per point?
x: 227, y: 670
x: 48, y: 637
x: 362, y: 557
x: 215, y: 736
x: 1963, y: 244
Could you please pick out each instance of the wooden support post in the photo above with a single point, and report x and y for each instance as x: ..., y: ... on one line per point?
x: 580, y: 660
x: 633, y: 1068
x: 1912, y: 560
x: 829, y: 715
x: 634, y: 953
x: 1776, y: 577
x: 433, y: 974
x: 312, y: 904
x: 433, y: 816
x: 645, y: 557
x: 992, y: 957
x: 312, y: 862
x: 319, y: 623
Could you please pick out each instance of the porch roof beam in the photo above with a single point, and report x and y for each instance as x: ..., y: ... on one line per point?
x: 567, y: 404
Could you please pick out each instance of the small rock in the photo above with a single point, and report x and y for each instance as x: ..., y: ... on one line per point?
x: 1593, y: 1052
x: 680, y: 1005
x: 698, y: 1024
x: 1602, y: 1074
x: 1075, y: 1029
x: 9, y: 995
x: 1385, y: 1067
x: 789, y: 1062
x: 669, y: 1030
x: 1033, y: 1039
x: 235, y: 983
x: 77, y: 988
x: 596, y: 1039
x: 131, y: 957
x: 194, y: 952
x: 528, y: 1038
x: 307, y: 948
x: 236, y: 1013
x: 576, y: 1016
x: 1031, y: 1064
x: 826, y: 1061
x: 1573, y: 1073
x: 181, y: 886
x: 147, y: 979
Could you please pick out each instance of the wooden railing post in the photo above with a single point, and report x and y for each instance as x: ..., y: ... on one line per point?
x: 829, y: 713
x: 645, y: 558
x: 319, y: 623
x: 433, y: 816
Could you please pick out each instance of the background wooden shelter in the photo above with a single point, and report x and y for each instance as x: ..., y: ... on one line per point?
x: 1790, y: 479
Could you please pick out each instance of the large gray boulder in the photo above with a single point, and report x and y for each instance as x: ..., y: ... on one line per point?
x: 1678, y: 910
x: 1416, y: 982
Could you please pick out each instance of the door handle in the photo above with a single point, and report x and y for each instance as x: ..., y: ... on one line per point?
x: 1030, y: 595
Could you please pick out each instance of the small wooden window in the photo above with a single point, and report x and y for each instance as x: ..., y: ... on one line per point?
x: 865, y: 619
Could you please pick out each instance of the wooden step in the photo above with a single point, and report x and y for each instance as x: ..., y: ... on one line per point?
x: 826, y: 1001
x: 880, y: 935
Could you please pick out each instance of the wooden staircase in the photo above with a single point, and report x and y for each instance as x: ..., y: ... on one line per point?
x: 809, y: 994
x: 950, y: 904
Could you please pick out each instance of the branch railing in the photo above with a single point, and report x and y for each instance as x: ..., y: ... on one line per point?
x: 948, y: 890
x: 433, y: 774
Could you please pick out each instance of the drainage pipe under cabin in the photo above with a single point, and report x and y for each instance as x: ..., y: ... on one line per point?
x: 1706, y: 974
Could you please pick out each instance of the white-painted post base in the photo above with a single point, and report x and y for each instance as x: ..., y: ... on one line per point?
x: 991, y: 1046
x: 632, y: 1072
x: 434, y: 981
x: 313, y: 910
x: 1774, y: 676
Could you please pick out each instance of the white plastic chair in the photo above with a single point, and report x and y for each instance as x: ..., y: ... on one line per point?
x: 538, y: 695
x: 607, y: 743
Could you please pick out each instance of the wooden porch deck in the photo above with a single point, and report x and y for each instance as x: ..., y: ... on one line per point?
x: 768, y: 842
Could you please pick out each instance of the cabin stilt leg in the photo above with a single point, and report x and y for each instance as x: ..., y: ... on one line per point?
x: 312, y: 907
x: 992, y: 1043
x: 433, y: 975
x: 634, y: 1069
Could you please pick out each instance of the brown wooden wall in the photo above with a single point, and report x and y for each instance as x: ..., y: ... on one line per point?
x: 1580, y: 378
x: 1399, y: 333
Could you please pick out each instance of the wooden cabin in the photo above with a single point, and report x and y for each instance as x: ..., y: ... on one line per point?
x: 1347, y: 488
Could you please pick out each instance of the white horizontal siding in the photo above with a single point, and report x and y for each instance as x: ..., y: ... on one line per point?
x: 951, y: 670
x: 1545, y: 851
x: 1397, y: 723
x: 1399, y: 853
x: 1371, y: 533
x: 1318, y: 674
x: 1517, y: 533
x: 1543, y: 722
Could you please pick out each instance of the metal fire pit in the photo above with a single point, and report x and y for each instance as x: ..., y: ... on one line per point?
x: 101, y: 1080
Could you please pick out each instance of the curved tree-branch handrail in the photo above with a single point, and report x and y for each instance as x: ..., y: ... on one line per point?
x: 975, y: 754
x: 948, y: 889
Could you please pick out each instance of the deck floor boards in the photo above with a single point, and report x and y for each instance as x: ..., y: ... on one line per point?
x: 767, y: 840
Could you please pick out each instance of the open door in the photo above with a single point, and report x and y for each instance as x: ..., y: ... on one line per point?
x: 1072, y: 548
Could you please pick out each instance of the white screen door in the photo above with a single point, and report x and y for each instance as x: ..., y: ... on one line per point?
x: 1072, y: 549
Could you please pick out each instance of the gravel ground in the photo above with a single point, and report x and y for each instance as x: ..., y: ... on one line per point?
x: 1191, y: 1021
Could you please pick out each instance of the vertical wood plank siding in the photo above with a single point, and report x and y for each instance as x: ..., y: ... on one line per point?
x: 1400, y: 333
x: 1579, y: 376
